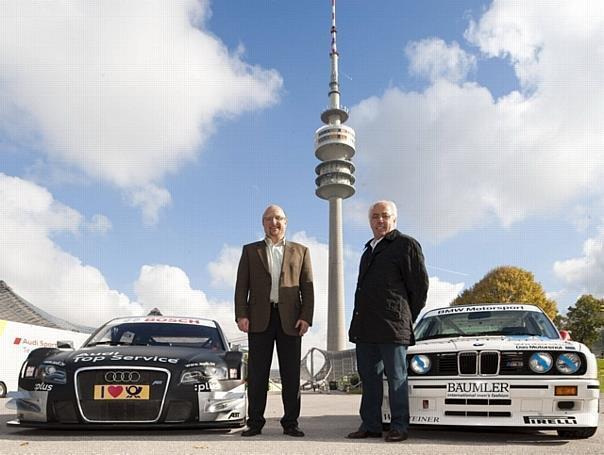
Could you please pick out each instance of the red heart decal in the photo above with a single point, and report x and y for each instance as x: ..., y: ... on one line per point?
x: 115, y: 390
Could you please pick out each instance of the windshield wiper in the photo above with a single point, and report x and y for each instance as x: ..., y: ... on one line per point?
x: 108, y: 343
x: 440, y: 335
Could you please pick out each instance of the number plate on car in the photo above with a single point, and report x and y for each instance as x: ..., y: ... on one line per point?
x: 121, y: 392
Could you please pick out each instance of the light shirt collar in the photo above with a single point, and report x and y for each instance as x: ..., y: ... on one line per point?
x: 374, y: 242
x: 269, y: 242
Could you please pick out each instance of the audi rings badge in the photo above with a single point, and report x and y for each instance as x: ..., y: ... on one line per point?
x: 123, y: 377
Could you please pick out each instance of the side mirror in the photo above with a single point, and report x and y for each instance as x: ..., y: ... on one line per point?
x: 65, y: 344
x: 564, y: 335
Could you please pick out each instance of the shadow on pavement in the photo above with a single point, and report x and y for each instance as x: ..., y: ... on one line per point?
x: 328, y: 428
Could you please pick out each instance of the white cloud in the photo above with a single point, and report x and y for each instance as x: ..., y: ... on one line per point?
x: 125, y: 91
x: 584, y: 274
x: 39, y: 270
x: 223, y: 271
x: 150, y: 199
x: 99, y: 224
x: 454, y: 158
x: 434, y: 59
x: 441, y: 293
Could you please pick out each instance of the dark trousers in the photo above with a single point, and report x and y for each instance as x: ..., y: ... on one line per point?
x: 373, y: 360
x: 259, y: 364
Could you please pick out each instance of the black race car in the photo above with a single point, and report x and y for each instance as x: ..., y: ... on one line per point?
x: 136, y: 372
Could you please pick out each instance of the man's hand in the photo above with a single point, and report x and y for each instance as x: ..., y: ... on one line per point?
x: 243, y: 324
x: 302, y: 326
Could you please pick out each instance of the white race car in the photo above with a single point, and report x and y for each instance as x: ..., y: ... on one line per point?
x: 500, y: 366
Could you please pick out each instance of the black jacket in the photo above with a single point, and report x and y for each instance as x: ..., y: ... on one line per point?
x: 391, y: 291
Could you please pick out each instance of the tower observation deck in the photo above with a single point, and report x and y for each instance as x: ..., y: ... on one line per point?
x: 335, y: 147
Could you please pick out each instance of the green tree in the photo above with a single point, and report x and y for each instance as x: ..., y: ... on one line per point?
x: 508, y: 284
x: 584, y: 319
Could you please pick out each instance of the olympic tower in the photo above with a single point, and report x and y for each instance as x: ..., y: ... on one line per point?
x: 334, y: 146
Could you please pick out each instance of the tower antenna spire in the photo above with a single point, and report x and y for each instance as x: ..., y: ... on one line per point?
x: 334, y: 86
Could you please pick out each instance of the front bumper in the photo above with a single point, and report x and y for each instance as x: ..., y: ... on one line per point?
x: 181, y: 408
x: 503, y: 402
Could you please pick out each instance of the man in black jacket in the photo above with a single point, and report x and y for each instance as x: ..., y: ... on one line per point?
x: 391, y: 291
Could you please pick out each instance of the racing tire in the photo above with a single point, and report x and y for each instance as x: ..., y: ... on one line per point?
x: 577, y: 433
x: 2, y: 389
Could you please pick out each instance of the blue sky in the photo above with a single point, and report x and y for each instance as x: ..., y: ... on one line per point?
x: 141, y: 141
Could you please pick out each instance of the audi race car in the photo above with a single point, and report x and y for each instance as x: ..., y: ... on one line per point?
x: 500, y: 366
x: 136, y: 372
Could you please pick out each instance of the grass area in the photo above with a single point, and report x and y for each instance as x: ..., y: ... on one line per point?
x: 601, y: 373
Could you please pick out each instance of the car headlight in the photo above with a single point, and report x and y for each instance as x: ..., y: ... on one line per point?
x: 202, y: 374
x: 568, y: 363
x: 420, y: 364
x: 541, y: 362
x: 51, y: 374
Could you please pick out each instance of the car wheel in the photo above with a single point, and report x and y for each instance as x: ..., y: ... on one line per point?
x: 577, y: 433
x: 2, y: 389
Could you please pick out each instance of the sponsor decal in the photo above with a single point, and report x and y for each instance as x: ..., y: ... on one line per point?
x: 17, y: 340
x: 234, y: 415
x: 472, y: 309
x: 424, y: 419
x: 476, y: 389
x: 541, y: 347
x: 550, y: 420
x: 43, y: 387
x: 203, y: 387
x: 121, y: 392
x: 58, y: 363
x: 200, y: 364
x: 117, y: 357
x: 170, y: 320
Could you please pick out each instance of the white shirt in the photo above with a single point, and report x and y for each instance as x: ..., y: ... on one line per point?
x: 374, y: 243
x: 274, y: 253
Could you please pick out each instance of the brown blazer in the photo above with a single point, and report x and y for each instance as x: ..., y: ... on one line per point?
x: 253, y: 287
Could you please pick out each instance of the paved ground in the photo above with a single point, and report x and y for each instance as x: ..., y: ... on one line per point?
x: 326, y: 418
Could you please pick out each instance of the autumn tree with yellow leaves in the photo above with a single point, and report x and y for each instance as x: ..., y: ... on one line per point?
x: 508, y: 284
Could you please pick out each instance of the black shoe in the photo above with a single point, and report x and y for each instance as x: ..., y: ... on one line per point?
x: 395, y: 436
x: 362, y: 434
x: 251, y: 431
x: 293, y: 431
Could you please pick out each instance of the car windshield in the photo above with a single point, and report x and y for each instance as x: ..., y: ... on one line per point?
x: 158, y: 334
x: 485, y: 323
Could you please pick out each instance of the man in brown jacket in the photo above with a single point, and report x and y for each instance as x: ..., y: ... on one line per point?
x: 274, y: 303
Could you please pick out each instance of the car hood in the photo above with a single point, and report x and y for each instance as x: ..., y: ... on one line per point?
x: 166, y: 356
x: 496, y: 343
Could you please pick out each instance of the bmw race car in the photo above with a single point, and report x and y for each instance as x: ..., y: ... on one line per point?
x: 137, y: 371
x: 500, y: 366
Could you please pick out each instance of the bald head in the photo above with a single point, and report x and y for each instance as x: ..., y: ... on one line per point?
x: 274, y: 223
